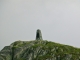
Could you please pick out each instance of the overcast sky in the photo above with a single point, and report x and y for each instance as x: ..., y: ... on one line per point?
x: 59, y: 21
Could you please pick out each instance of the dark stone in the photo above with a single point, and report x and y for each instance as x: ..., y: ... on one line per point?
x: 38, y: 35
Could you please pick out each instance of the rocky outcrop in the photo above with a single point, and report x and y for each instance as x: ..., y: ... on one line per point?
x: 39, y: 50
x: 5, y: 53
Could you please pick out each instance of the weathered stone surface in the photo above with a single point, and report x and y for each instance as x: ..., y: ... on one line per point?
x: 5, y: 53
x: 38, y: 35
x: 39, y: 50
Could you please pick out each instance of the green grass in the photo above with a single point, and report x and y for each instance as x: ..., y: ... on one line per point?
x: 51, y: 48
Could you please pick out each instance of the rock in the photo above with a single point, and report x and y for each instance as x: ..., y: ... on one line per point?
x: 5, y: 53
x: 39, y: 50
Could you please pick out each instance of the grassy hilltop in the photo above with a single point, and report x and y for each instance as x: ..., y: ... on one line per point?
x: 39, y: 50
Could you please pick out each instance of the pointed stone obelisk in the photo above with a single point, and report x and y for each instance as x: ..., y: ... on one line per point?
x: 38, y: 35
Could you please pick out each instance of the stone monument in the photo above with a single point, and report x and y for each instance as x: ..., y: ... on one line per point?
x: 38, y: 35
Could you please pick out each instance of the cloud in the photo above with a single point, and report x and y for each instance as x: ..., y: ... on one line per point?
x: 58, y: 19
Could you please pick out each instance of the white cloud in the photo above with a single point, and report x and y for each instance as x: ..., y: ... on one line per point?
x: 58, y: 19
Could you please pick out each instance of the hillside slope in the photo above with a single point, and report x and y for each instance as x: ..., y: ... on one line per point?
x: 39, y: 50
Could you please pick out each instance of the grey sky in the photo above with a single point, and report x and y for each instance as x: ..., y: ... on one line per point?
x: 59, y: 21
